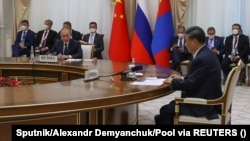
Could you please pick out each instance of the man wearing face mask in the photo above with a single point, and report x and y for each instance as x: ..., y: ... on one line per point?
x: 178, y: 50
x: 215, y: 43
x: 46, y: 38
x: 236, y: 48
x: 24, y: 40
x: 96, y: 39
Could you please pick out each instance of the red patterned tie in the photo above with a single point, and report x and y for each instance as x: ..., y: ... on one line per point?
x: 44, y: 39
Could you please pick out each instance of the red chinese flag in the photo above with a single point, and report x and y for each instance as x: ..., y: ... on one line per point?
x: 119, y: 48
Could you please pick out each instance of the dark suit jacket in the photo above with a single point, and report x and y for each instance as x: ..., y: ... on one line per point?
x: 74, y: 49
x: 202, y: 81
x: 185, y: 55
x: 75, y: 35
x: 243, y: 47
x: 50, y: 40
x: 218, y: 44
x: 29, y: 39
x: 98, y: 42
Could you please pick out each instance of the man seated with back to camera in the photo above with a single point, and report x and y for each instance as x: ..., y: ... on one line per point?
x: 178, y: 50
x: 202, y: 81
x: 67, y: 48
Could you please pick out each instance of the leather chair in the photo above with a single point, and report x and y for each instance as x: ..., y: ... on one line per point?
x: 225, y: 101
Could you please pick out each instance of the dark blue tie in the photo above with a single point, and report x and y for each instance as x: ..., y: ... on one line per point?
x: 65, y: 48
x: 24, y: 36
x: 180, y: 44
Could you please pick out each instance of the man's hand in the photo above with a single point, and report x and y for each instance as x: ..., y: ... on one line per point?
x: 21, y: 45
x: 214, y: 50
x: 171, y: 77
x: 234, y: 58
x: 43, y: 49
x: 181, y: 50
x: 64, y: 57
x: 174, y: 46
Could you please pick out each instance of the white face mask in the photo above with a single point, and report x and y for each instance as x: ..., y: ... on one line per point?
x: 235, y: 31
x: 180, y: 35
x: 23, y: 28
x: 210, y: 36
x: 92, y: 30
x: 46, y: 27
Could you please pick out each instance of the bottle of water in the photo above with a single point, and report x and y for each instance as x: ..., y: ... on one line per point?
x: 131, y: 65
x: 32, y: 53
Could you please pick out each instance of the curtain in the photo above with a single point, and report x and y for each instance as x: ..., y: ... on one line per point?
x: 20, y: 12
x: 179, y: 10
x: 78, y: 12
x: 221, y: 14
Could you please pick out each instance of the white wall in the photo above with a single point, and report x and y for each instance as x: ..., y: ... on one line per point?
x: 5, y: 27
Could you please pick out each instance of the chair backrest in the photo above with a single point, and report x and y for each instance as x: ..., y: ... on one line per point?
x: 87, y: 51
x: 241, y: 64
x: 229, y: 87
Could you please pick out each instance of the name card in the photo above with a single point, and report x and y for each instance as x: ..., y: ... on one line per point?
x: 48, y: 58
x: 91, y: 75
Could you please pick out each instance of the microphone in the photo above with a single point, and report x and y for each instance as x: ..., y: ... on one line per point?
x: 124, y: 73
x: 133, y: 69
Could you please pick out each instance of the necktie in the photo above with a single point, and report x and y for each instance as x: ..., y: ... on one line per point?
x: 44, y: 39
x: 64, y: 49
x: 210, y: 43
x: 180, y: 44
x: 91, y: 39
x: 234, y: 46
x: 24, y: 36
x: 235, y: 42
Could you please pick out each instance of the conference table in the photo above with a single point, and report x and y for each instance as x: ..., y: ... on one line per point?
x: 60, y: 95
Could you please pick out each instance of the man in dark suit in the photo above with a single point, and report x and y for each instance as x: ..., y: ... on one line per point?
x: 178, y: 50
x: 96, y: 39
x: 24, y: 40
x: 236, y: 48
x: 67, y: 48
x: 215, y: 43
x: 202, y: 81
x: 46, y: 38
x: 74, y: 34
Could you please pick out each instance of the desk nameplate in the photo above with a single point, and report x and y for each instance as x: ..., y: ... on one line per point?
x: 48, y: 58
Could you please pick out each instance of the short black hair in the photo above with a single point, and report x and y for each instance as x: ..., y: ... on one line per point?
x: 196, y: 32
x: 181, y: 26
x: 25, y: 21
x: 211, y: 28
x: 67, y: 23
x: 93, y: 23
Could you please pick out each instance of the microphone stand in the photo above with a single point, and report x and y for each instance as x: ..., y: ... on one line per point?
x: 124, y: 74
x: 125, y: 78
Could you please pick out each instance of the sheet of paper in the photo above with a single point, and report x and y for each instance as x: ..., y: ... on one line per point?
x: 72, y: 60
x: 88, y: 60
x: 152, y: 82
